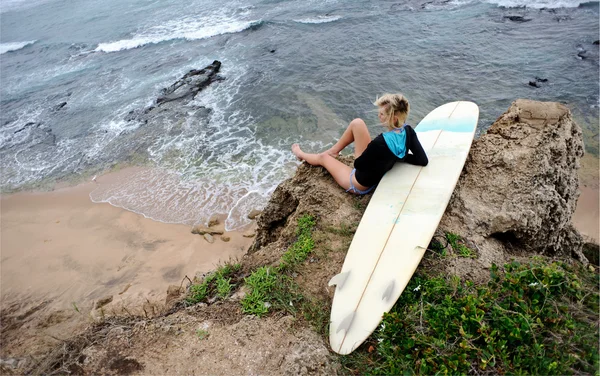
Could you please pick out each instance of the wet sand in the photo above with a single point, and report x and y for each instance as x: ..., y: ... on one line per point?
x: 62, y: 248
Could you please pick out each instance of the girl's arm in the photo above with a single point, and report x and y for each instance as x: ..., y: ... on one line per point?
x: 418, y: 156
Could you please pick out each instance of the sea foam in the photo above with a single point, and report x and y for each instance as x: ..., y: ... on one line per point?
x: 319, y: 19
x: 185, y: 29
x: 538, y: 4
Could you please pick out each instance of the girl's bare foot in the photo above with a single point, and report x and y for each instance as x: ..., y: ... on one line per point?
x: 297, y: 152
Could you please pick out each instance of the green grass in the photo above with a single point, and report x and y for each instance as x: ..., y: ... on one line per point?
x: 459, y: 247
x: 538, y: 318
x: 202, y: 334
x: 216, y: 284
x: 272, y: 288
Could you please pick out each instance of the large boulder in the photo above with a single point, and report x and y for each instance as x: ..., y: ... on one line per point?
x: 520, y: 184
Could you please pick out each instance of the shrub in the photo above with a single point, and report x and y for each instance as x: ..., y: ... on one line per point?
x: 531, y: 318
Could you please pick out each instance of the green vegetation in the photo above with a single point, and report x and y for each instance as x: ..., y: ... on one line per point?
x: 299, y: 250
x: 217, y: 284
x: 272, y: 286
x: 201, y: 333
x: 459, y: 247
x: 269, y: 288
x: 537, y: 318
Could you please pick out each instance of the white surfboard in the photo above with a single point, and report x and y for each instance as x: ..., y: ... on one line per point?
x: 398, y: 225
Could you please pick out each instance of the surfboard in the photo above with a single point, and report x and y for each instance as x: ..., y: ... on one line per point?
x: 398, y: 225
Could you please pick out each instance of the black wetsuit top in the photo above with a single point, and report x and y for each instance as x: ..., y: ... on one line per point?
x: 377, y: 159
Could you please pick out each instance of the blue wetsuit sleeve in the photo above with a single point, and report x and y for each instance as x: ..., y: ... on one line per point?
x: 418, y: 156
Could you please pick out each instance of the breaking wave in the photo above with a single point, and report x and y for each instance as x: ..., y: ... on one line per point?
x: 185, y: 29
x: 14, y: 46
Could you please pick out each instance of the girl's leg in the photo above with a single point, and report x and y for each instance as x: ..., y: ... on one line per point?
x: 337, y: 169
x: 356, y: 132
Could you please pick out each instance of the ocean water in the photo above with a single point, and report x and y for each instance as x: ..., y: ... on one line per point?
x: 295, y: 71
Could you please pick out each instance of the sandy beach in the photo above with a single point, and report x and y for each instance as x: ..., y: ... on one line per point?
x: 586, y: 216
x: 62, y: 248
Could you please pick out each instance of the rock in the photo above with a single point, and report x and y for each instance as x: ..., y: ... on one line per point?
x: 592, y: 252
x: 59, y: 106
x: 240, y: 293
x: 190, y: 84
x: 209, y: 238
x: 311, y: 190
x: 597, y: 42
x: 249, y: 234
x: 254, y: 213
x: 225, y: 238
x: 201, y: 230
x: 173, y: 293
x: 517, y: 18
x: 537, y: 81
x: 520, y: 183
x: 213, y: 221
x: 104, y: 301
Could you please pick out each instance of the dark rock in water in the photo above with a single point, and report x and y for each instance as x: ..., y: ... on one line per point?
x: 562, y: 18
x: 59, y: 106
x: 272, y: 51
x: 26, y: 126
x: 517, y: 18
x: 537, y: 81
x: 190, y: 84
x: 597, y: 42
x: 582, y: 54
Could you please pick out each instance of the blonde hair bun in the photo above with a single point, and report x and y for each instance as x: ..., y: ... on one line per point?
x: 396, y: 106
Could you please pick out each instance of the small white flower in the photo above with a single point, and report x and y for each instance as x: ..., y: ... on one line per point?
x: 380, y: 340
x: 417, y: 288
x: 533, y: 284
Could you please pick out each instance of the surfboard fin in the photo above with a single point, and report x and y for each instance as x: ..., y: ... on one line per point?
x: 387, y: 293
x: 345, y: 324
x: 339, y: 280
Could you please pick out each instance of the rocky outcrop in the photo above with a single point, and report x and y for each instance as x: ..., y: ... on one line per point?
x: 520, y: 183
x: 312, y: 190
x: 190, y: 84
x: 172, y: 105
x: 516, y: 195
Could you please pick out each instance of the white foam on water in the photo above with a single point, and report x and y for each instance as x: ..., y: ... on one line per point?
x: 188, y: 28
x: 202, y: 169
x: 14, y: 46
x: 319, y: 19
x: 538, y: 4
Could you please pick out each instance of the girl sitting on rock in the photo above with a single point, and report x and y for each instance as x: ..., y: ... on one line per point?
x: 373, y: 157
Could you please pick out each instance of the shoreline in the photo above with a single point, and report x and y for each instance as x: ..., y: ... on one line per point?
x: 61, y: 248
